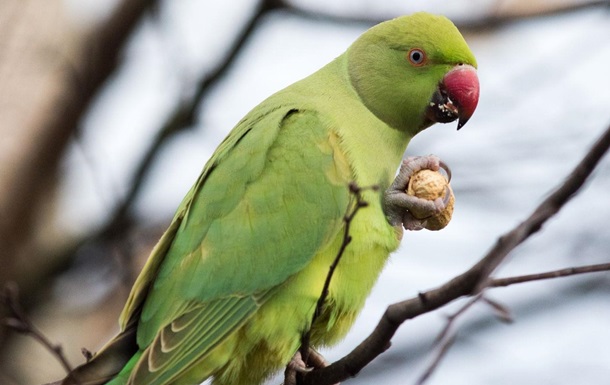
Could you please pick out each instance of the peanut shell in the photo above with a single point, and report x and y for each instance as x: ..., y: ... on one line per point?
x: 430, y: 185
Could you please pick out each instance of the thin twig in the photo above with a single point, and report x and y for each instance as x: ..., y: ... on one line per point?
x: 356, y: 203
x: 442, y: 336
x: 446, y: 338
x: 442, y: 352
x: 18, y: 320
x: 503, y: 282
x: 501, y: 311
x: 500, y: 18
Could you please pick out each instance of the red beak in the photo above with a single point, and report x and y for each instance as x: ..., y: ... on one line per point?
x: 461, y: 85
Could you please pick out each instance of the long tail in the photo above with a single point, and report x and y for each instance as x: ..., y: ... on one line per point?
x: 109, y: 361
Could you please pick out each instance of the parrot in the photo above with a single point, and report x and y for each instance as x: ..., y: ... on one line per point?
x: 231, y: 286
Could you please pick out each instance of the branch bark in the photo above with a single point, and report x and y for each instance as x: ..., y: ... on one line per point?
x: 18, y: 321
x: 503, y: 282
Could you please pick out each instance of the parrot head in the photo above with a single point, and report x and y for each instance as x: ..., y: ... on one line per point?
x: 414, y: 71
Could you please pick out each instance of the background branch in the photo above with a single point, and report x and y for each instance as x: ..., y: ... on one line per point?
x: 17, y: 320
x: 355, y: 204
x: 503, y: 282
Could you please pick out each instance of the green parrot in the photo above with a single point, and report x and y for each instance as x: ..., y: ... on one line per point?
x: 232, y: 285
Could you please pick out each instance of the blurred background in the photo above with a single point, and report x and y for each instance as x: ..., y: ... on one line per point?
x: 109, y: 110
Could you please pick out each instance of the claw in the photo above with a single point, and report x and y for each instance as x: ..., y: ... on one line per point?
x: 445, y: 170
x: 297, y: 365
x: 316, y: 359
x: 446, y: 197
x: 410, y: 212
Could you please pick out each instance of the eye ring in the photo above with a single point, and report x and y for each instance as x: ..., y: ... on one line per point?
x: 416, y: 57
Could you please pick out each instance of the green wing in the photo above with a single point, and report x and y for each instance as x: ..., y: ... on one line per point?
x: 268, y: 199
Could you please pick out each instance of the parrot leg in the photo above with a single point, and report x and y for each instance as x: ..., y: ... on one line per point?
x: 402, y: 209
x: 297, y: 365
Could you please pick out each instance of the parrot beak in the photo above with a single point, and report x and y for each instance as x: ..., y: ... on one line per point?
x: 456, y: 97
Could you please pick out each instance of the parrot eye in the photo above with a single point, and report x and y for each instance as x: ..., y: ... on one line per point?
x: 416, y: 56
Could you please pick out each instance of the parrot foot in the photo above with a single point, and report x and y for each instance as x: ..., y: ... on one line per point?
x: 403, y: 210
x: 297, y: 365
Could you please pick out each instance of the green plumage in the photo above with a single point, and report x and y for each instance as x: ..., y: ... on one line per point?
x: 233, y: 283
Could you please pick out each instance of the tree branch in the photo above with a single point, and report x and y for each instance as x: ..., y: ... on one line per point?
x: 502, y: 17
x: 493, y: 20
x: 356, y: 203
x: 448, y: 343
x: 446, y: 338
x: 503, y: 282
x: 17, y: 320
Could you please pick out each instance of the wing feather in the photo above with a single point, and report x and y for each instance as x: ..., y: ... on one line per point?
x: 257, y: 215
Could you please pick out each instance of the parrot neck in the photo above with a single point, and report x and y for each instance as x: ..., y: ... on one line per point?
x: 390, y: 92
x: 373, y: 148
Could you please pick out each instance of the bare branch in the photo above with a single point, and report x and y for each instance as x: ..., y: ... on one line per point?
x: 446, y: 338
x: 501, y: 311
x: 497, y: 18
x: 503, y: 17
x: 503, y: 282
x: 443, y: 335
x: 442, y: 352
x: 355, y: 204
x: 18, y: 320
